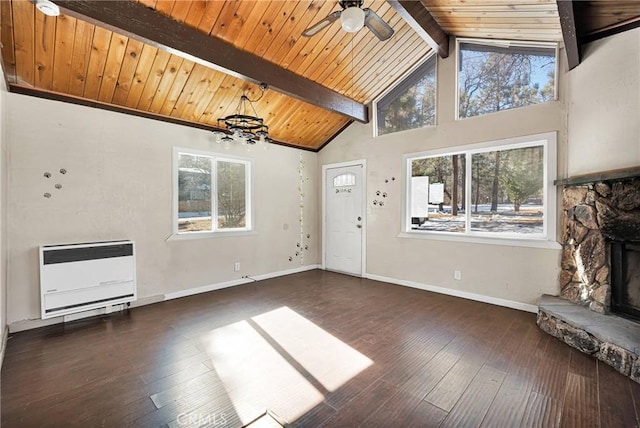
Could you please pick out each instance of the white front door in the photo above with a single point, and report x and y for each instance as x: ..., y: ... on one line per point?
x: 344, y: 222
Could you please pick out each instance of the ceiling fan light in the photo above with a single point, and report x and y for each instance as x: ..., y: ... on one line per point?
x: 352, y: 19
x: 47, y: 7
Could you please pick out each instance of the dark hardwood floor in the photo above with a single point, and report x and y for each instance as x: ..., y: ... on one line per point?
x: 317, y: 349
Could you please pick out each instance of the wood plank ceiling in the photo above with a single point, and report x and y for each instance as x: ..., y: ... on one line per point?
x: 80, y: 60
x: 533, y: 20
x: 600, y: 18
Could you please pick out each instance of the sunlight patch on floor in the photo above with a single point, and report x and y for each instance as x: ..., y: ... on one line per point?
x: 281, y: 361
x: 256, y: 376
x: 329, y: 360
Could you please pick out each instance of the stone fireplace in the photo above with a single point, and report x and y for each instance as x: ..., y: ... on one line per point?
x: 600, y: 220
x: 600, y: 270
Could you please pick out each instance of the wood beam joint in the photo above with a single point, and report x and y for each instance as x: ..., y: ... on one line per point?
x: 416, y: 14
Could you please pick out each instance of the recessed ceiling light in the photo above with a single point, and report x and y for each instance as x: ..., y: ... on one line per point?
x: 47, y: 7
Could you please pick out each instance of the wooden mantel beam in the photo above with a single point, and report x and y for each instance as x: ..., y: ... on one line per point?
x: 139, y: 22
x: 569, y: 32
x: 415, y: 13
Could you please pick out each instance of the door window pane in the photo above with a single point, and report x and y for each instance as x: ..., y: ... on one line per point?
x: 344, y: 180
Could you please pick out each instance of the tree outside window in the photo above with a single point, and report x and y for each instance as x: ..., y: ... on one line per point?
x: 212, y: 188
x: 498, y: 191
x: 493, y: 78
x: 411, y: 104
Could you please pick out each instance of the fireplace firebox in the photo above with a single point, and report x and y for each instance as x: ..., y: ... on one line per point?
x: 625, y: 278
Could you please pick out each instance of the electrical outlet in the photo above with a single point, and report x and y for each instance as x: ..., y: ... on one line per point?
x: 457, y: 275
x: 236, y: 266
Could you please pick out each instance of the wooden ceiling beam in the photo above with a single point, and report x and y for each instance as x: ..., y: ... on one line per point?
x: 139, y: 22
x: 569, y: 32
x: 416, y: 14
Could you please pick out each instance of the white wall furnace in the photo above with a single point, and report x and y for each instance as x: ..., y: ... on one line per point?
x: 80, y: 277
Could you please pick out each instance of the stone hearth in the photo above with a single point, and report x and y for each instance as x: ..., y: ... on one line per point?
x: 595, y: 212
x: 611, y: 339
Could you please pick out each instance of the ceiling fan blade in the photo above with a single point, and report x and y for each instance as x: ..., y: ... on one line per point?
x: 322, y: 24
x: 373, y: 22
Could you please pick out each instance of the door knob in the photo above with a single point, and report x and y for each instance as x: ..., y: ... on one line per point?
x: 359, y: 226
x: 359, y: 218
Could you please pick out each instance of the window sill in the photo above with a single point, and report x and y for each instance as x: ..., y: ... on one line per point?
x: 510, y: 242
x: 207, y: 235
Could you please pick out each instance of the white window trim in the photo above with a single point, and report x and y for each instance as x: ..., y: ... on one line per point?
x: 396, y: 83
x: 249, y: 179
x: 546, y: 240
x: 502, y: 43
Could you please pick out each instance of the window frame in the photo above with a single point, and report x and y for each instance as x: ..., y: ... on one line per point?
x: 215, y: 157
x: 501, y: 43
x: 399, y: 82
x: 547, y: 239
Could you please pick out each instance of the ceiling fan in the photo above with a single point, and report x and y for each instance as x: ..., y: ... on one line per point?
x: 353, y: 17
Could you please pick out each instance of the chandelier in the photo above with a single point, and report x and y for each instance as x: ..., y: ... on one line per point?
x: 244, y: 125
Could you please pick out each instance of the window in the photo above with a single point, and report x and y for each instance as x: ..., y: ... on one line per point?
x: 411, y: 104
x: 501, y: 189
x: 348, y: 179
x: 213, y: 193
x: 503, y: 76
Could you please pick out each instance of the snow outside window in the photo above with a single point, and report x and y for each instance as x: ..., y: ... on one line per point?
x: 503, y: 190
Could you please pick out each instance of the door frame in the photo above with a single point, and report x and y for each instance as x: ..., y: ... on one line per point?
x: 325, y: 168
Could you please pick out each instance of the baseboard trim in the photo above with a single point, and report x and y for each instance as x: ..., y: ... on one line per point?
x: 3, y: 344
x: 235, y: 282
x: 37, y: 323
x: 456, y: 293
x: 205, y: 289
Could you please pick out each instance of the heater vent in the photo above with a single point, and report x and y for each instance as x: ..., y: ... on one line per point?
x: 81, y: 277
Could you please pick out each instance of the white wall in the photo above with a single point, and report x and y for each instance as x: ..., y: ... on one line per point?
x: 3, y: 211
x: 517, y: 274
x: 119, y: 186
x: 604, y: 107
